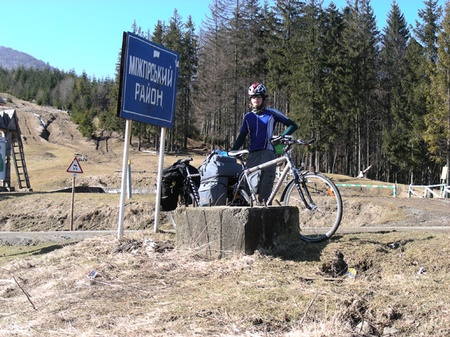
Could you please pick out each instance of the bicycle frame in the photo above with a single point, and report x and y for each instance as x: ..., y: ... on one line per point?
x: 247, y: 172
x: 289, y: 167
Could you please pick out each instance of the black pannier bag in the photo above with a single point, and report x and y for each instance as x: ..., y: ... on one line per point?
x: 217, y: 174
x: 173, y: 178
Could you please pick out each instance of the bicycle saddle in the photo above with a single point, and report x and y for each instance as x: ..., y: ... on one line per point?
x: 236, y: 153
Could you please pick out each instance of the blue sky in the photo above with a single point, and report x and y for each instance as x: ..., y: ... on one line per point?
x: 86, y: 35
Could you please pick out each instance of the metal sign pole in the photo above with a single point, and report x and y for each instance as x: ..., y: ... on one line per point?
x: 126, y: 148
x: 162, y: 146
x: 73, y: 201
x: 73, y: 168
x: 129, y: 179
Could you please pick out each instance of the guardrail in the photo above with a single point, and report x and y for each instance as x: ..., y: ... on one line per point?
x: 428, y: 192
x: 393, y: 187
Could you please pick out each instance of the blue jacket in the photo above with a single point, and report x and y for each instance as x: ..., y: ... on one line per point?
x: 260, y: 128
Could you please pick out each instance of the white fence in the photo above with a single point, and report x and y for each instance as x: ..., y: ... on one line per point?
x: 429, y: 191
x: 392, y: 187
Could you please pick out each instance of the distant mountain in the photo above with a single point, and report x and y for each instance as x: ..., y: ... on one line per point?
x: 11, y: 59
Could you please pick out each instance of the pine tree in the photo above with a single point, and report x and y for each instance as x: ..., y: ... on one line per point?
x: 360, y: 39
x: 397, y: 119
x: 306, y: 80
x: 188, y: 71
x: 437, y: 120
x: 213, y: 82
x: 281, y: 52
x: 427, y: 32
x: 332, y: 110
x: 414, y: 83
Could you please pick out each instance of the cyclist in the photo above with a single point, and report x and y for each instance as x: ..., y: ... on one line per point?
x: 259, y: 124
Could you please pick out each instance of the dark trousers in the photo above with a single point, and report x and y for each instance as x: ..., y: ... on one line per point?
x: 267, y: 175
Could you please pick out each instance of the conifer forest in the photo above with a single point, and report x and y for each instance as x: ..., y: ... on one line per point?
x: 368, y: 95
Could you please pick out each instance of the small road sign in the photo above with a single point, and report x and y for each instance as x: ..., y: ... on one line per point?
x: 75, y: 167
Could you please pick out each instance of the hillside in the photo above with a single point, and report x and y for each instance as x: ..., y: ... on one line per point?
x: 51, y: 141
x: 11, y: 59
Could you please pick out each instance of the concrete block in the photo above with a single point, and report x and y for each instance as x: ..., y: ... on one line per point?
x: 219, y: 230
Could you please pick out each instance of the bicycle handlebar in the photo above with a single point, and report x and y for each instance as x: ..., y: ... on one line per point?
x: 185, y: 160
x: 305, y: 142
x: 289, y: 140
x: 286, y: 140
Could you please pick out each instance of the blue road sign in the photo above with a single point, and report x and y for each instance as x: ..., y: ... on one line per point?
x: 149, y: 74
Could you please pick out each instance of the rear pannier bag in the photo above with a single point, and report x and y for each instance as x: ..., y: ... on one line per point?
x: 217, y: 174
x: 173, y: 178
x: 213, y: 192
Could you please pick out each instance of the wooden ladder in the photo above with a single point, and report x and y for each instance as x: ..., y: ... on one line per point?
x: 19, y: 158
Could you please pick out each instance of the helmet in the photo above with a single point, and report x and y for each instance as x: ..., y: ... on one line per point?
x: 257, y: 89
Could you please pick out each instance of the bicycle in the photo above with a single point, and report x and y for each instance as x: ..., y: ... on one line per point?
x: 317, y: 197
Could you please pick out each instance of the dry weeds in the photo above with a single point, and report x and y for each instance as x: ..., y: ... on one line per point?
x: 143, y: 286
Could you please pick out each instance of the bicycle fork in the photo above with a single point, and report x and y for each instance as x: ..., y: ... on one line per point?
x: 300, y: 184
x: 193, y: 187
x: 309, y: 203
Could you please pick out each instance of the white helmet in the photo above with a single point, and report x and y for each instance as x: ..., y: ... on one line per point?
x: 257, y: 89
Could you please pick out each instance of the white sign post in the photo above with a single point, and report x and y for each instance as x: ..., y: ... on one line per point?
x: 126, y: 149
x: 74, y: 168
x: 159, y: 180
x: 148, y: 87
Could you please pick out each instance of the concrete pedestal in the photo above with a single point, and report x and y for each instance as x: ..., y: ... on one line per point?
x: 217, y: 231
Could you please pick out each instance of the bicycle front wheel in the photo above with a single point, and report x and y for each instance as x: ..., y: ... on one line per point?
x: 186, y: 199
x: 321, y: 213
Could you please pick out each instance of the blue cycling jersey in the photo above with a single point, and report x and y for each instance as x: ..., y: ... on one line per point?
x: 260, y: 127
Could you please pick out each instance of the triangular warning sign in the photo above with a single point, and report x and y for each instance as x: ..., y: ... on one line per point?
x: 75, y: 167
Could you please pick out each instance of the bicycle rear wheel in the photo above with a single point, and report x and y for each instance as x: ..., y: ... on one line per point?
x: 322, y: 216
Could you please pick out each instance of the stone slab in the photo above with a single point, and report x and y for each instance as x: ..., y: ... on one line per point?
x: 217, y: 231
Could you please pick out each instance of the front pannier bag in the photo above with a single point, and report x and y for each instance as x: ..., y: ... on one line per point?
x: 173, y: 178
x: 217, y: 173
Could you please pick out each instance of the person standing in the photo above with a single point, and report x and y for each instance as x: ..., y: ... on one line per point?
x: 259, y: 125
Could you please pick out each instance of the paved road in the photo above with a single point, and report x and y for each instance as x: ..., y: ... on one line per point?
x: 64, y: 236
x: 54, y: 236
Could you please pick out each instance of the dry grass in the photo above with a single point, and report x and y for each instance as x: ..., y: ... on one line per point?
x: 144, y: 287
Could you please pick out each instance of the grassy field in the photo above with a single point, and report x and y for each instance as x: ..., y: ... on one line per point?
x: 141, y: 286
